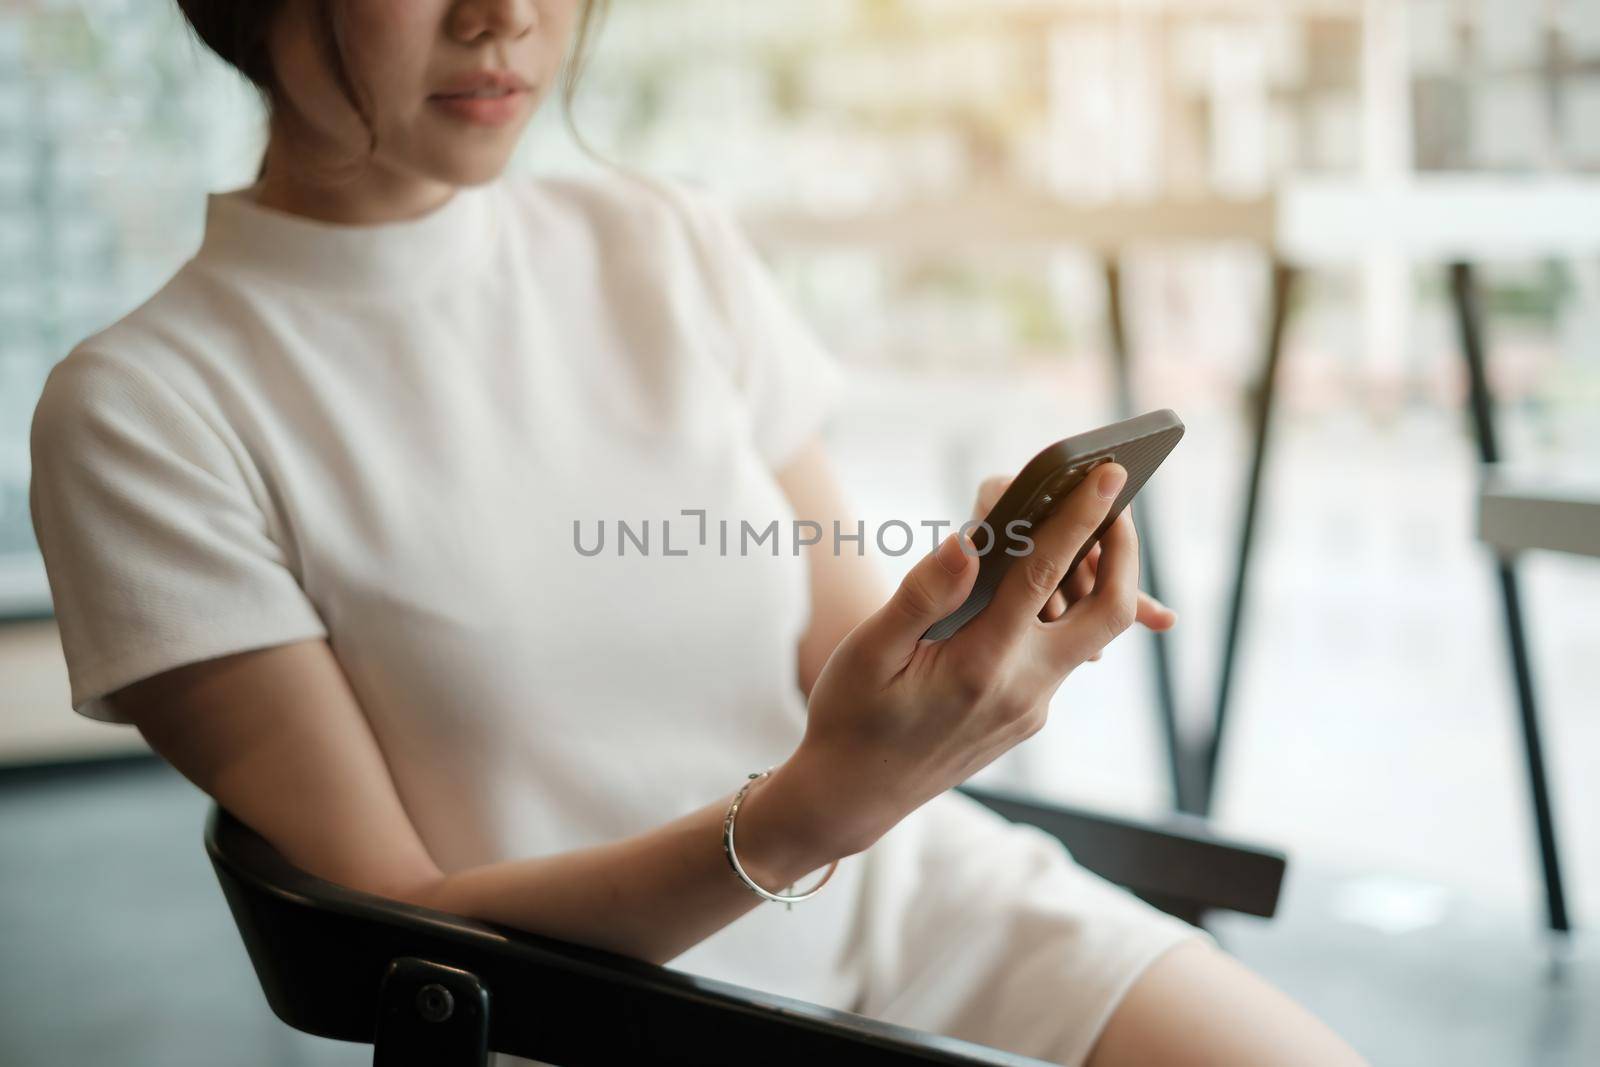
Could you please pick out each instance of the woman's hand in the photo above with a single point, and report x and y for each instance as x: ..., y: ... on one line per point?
x: 894, y: 721
x: 1152, y: 613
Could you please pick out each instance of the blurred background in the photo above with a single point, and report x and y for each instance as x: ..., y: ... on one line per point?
x: 957, y: 195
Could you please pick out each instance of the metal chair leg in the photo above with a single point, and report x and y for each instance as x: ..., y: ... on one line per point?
x: 1469, y: 321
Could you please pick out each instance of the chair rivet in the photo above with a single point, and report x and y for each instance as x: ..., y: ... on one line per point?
x: 434, y: 1003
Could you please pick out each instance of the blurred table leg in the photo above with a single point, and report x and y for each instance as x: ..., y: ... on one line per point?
x: 1178, y: 756
x: 1262, y: 399
x: 1469, y: 321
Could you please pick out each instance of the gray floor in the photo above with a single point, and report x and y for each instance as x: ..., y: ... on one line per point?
x: 129, y: 954
x: 119, y: 950
x: 1466, y: 985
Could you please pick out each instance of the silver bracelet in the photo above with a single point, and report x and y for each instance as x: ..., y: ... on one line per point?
x: 733, y: 858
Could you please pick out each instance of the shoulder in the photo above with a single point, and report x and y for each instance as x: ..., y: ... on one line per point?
x: 151, y: 362
x: 138, y: 383
x: 167, y: 337
x: 92, y: 380
x: 98, y: 397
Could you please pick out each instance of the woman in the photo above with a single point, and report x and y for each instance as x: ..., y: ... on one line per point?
x: 308, y: 516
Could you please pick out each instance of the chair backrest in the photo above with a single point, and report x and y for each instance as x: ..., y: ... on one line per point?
x: 1176, y: 862
x: 427, y: 987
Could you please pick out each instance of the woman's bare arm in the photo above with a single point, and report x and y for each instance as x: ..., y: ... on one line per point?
x: 277, y: 737
x: 846, y: 586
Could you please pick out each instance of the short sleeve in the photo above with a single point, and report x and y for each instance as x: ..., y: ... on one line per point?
x: 154, y: 548
x: 791, y: 383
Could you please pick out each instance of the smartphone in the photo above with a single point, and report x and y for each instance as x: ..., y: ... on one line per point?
x: 1139, y: 444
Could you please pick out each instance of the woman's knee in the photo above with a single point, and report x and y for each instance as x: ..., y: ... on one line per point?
x: 1198, y: 1005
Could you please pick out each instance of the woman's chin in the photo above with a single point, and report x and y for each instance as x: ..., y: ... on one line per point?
x: 469, y: 164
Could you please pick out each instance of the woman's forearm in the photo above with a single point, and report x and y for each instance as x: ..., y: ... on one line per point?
x: 656, y: 894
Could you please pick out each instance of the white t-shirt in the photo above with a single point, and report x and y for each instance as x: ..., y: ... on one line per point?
x: 385, y: 434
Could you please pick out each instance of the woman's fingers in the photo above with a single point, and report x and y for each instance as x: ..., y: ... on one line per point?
x: 933, y: 588
x: 1041, y: 555
x: 1152, y: 614
x: 989, y: 492
x: 1111, y: 606
x: 1081, y: 580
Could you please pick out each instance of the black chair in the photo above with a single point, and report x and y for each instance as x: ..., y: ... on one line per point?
x: 429, y: 988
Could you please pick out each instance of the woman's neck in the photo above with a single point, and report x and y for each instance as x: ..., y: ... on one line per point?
x: 361, y: 191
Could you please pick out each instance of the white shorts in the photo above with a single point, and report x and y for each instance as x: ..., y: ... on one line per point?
x: 987, y: 930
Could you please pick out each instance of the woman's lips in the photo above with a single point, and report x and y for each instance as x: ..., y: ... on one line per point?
x: 483, y: 107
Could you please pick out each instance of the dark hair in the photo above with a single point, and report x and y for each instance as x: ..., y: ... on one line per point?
x: 237, y: 33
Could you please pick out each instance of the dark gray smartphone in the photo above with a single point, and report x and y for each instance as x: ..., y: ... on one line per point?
x: 1139, y: 444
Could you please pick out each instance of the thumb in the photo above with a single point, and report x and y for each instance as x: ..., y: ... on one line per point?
x: 932, y: 589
